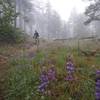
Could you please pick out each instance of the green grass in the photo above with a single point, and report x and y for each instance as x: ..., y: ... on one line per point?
x: 23, y: 78
x: 22, y: 81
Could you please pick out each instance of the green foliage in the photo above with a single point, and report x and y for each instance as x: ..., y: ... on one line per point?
x: 93, y: 11
x: 8, y: 32
x: 22, y: 83
x: 23, y: 80
x: 7, y: 12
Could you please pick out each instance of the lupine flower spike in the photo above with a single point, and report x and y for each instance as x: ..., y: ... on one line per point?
x: 43, y: 81
x: 52, y: 73
x: 70, y: 69
x: 97, y: 93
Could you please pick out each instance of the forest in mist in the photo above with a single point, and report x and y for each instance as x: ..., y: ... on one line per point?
x: 31, y: 15
x: 49, y: 50
x: 37, y: 15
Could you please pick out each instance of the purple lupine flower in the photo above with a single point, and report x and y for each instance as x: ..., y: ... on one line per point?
x: 43, y: 82
x: 69, y: 78
x: 97, y: 88
x: 98, y: 75
x: 70, y: 69
x: 98, y: 83
x: 42, y: 87
x: 98, y: 72
x: 44, y: 77
x: 97, y: 94
x: 52, y: 74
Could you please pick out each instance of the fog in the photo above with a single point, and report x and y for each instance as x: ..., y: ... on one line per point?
x: 55, y: 19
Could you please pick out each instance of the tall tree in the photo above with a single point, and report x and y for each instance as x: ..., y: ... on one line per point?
x: 7, y: 19
x: 93, y: 11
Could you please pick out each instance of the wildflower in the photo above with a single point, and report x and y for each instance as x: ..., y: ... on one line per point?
x: 70, y: 69
x: 97, y: 94
x: 42, y: 87
x: 44, y: 77
x: 52, y: 73
x: 97, y: 88
x: 69, y: 78
x: 98, y: 83
x: 98, y: 72
x: 43, y: 81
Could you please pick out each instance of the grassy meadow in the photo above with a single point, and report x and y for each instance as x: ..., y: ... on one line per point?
x: 22, y: 79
